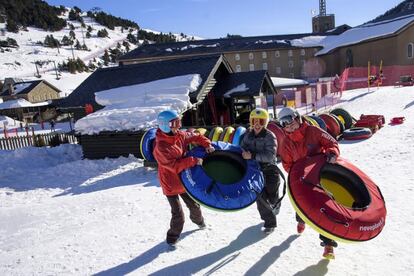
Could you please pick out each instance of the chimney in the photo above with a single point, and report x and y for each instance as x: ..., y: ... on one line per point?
x: 11, y: 88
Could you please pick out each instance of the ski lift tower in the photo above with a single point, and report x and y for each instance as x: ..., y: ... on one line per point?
x: 323, y: 22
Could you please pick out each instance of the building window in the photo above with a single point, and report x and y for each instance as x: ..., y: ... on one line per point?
x: 278, y: 70
x: 238, y: 68
x: 251, y: 67
x: 251, y: 56
x: 291, y: 64
x: 302, y: 52
x: 277, y: 54
x: 264, y: 55
x: 303, y: 63
x: 410, y: 49
x: 290, y: 53
x: 265, y: 66
x: 237, y: 56
x: 292, y: 75
x: 349, y: 58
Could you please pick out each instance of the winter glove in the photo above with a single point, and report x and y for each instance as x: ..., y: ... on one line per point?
x: 331, y: 158
x: 210, y: 149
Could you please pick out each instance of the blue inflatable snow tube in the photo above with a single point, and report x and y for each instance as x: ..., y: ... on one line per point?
x: 147, y: 144
x: 320, y: 122
x: 238, y: 135
x: 225, y: 181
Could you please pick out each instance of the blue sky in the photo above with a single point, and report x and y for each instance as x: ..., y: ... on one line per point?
x: 216, y: 18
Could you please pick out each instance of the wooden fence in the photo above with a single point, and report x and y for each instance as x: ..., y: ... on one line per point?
x: 38, y: 140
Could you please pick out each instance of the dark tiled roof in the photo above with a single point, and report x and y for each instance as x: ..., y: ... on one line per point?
x: 126, y: 75
x: 26, y: 90
x: 219, y: 46
x: 253, y: 81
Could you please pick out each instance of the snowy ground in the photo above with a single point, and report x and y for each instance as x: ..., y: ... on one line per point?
x: 61, y: 215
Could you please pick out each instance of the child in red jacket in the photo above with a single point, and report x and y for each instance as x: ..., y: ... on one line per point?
x: 304, y: 140
x: 170, y: 147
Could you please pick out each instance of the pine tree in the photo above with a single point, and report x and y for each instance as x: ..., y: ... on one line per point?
x: 66, y: 41
x: 11, y: 26
x: 78, y: 45
x: 102, y: 33
x: 72, y: 35
x: 126, y: 45
x: 106, y: 58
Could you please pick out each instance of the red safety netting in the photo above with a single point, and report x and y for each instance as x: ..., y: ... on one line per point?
x: 357, y: 77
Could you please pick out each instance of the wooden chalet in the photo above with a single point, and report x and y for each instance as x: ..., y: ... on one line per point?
x: 211, y: 104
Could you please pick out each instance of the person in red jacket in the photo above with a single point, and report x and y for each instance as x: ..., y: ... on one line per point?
x: 170, y: 148
x: 304, y: 140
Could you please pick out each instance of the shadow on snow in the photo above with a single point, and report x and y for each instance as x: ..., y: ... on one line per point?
x: 143, y: 259
x: 223, y: 256
x: 75, y: 178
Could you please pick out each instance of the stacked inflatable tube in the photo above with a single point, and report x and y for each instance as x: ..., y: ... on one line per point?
x: 338, y: 200
x: 357, y: 133
x: 332, y: 125
x: 215, y: 134
x: 147, y: 144
x: 278, y: 132
x: 320, y: 122
x: 340, y: 123
x: 344, y: 116
x: 238, y: 135
x: 310, y: 120
x: 226, y: 134
x: 225, y: 181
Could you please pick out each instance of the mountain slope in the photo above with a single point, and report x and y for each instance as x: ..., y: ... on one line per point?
x: 404, y: 8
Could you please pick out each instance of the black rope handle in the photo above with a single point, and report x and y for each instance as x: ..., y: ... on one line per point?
x: 265, y: 203
x: 211, y: 186
x: 284, y: 185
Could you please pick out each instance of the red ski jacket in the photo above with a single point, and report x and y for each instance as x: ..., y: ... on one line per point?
x: 170, y: 153
x: 306, y: 141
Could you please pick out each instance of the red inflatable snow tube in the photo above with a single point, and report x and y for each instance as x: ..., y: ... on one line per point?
x: 338, y: 200
x: 332, y: 126
x: 278, y: 132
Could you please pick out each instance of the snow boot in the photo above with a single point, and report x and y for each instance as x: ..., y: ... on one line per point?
x: 300, y: 227
x: 202, y: 226
x: 328, y: 252
x: 268, y: 230
x: 172, y: 245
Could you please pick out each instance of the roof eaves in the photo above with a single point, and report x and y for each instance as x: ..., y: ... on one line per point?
x: 220, y: 60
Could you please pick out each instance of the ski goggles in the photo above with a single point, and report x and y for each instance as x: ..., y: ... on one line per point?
x: 176, y: 123
x: 258, y: 121
x: 287, y: 120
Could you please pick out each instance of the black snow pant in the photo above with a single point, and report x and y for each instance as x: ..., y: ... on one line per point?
x: 325, y: 240
x: 270, y: 194
x: 177, y: 215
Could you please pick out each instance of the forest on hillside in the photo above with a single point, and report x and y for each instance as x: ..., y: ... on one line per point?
x: 23, y: 13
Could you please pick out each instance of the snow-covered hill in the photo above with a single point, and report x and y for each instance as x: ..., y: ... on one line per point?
x: 64, y: 215
x: 20, y: 62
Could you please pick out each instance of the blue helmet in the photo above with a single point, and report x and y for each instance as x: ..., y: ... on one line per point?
x: 164, y: 119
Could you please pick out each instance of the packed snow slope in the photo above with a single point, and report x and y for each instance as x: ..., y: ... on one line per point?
x: 62, y: 215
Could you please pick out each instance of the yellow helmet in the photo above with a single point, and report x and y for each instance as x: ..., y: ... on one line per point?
x: 259, y: 113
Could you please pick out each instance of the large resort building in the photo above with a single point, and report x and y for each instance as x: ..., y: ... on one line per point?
x: 325, y: 52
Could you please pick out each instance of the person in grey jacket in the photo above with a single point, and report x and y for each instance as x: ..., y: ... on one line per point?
x: 260, y: 144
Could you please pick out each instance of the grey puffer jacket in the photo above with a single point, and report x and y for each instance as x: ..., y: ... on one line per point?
x: 262, y: 147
